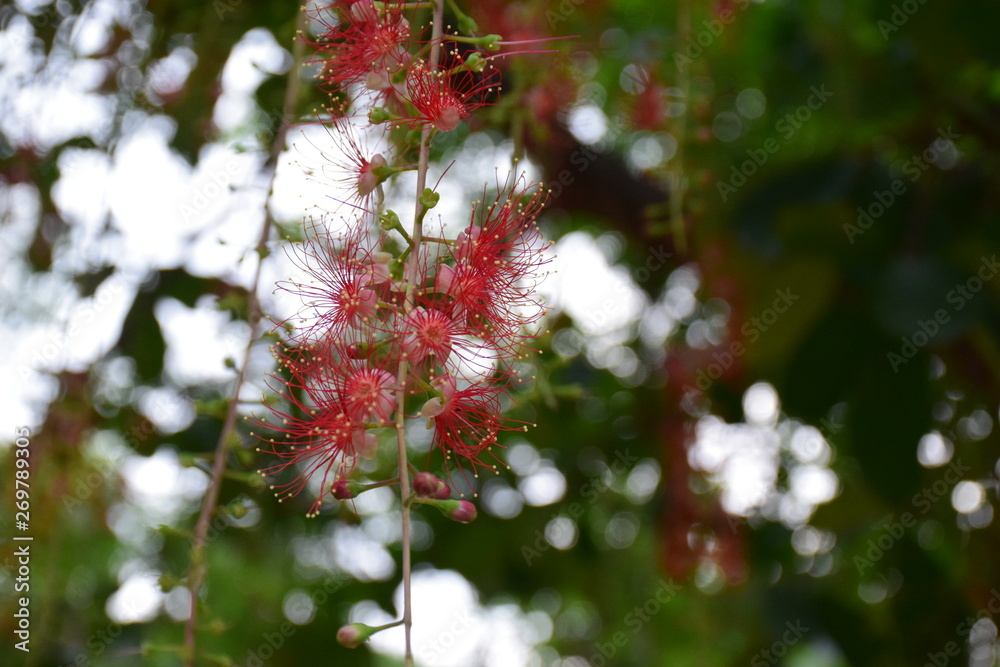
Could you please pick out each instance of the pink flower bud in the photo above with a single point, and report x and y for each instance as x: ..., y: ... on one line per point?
x: 464, y: 513
x: 342, y: 489
x: 461, y: 511
x: 354, y: 635
x: 368, y: 180
x: 443, y: 492
x: 426, y: 484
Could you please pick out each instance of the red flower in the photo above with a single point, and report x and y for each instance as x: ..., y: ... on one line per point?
x: 496, y: 261
x: 369, y: 46
x: 352, y: 166
x: 467, y: 421
x: 323, y: 428
x: 427, y: 331
x: 434, y: 340
x: 451, y: 93
x: 368, y: 394
x: 348, y: 278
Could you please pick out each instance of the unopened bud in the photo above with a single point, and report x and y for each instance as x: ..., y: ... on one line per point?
x: 354, y: 635
x: 426, y: 484
x: 429, y: 198
x: 344, y: 490
x: 378, y: 115
x: 461, y: 511
x: 464, y: 513
x: 373, y: 175
x: 443, y: 492
x: 467, y: 25
x: 389, y: 220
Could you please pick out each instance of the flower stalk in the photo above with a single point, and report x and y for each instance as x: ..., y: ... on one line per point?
x: 402, y: 322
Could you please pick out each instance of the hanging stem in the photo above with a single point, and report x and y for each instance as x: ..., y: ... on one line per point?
x: 196, y: 576
x: 404, y: 492
x: 411, y: 275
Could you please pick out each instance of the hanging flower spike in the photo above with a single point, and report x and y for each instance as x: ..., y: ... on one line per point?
x: 445, y: 96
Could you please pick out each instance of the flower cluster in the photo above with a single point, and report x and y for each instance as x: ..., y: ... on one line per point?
x: 395, y: 325
x: 366, y: 51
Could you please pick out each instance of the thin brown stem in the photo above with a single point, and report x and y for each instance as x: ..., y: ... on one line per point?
x: 404, y: 492
x: 412, y: 273
x: 196, y: 577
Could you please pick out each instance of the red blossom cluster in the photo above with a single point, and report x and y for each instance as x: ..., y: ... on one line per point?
x: 363, y: 49
x: 394, y: 327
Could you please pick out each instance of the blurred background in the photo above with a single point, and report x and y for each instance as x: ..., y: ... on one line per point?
x: 766, y: 409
